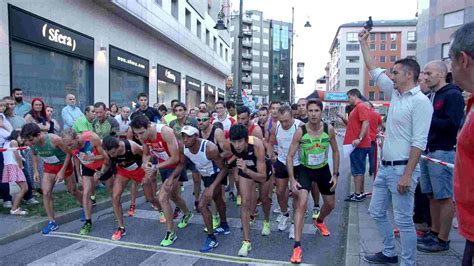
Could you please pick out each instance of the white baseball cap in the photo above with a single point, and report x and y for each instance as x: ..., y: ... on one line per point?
x: 189, y: 130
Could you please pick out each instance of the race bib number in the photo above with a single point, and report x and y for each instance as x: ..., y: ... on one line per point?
x: 160, y: 155
x: 316, y: 159
x: 51, y: 159
x: 83, y: 161
x: 206, y: 171
x: 249, y: 163
x: 132, y: 167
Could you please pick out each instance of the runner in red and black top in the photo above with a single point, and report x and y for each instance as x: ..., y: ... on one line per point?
x: 249, y: 158
x: 225, y: 119
x: 87, y: 150
x: 161, y: 143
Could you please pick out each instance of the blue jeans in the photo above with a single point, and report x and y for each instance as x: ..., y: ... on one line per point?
x: 372, y: 157
x: 385, y: 192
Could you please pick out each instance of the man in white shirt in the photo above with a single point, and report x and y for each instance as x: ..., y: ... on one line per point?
x: 123, y: 120
x: 408, y: 123
x: 70, y: 112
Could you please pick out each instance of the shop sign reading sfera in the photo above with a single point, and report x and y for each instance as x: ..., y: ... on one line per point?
x: 55, y: 35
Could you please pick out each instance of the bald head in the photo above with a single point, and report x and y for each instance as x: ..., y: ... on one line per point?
x: 435, y: 73
x: 71, y: 100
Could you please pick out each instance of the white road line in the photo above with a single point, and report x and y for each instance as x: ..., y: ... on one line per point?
x: 168, y: 250
x: 161, y: 258
x: 233, y: 222
x: 78, y: 253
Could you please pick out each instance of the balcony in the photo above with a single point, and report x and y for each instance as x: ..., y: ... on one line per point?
x: 247, y: 20
x: 247, y: 68
x: 246, y: 80
x: 247, y: 56
x: 247, y: 32
x: 247, y: 44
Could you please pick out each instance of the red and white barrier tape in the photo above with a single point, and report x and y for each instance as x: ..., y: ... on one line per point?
x: 14, y: 149
x: 450, y: 165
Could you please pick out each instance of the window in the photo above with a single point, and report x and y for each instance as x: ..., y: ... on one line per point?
x: 255, y: 52
x: 255, y: 64
x: 393, y: 36
x: 215, y: 44
x: 188, y: 19
x: 352, y: 82
x: 371, y: 95
x: 372, y: 47
x: 265, y: 53
x: 411, y: 36
x: 371, y: 83
x: 393, y: 47
x: 393, y: 58
x: 255, y: 17
x: 175, y: 8
x: 444, y: 50
x: 265, y: 65
x: 256, y: 39
x: 221, y: 50
x: 352, y: 47
x: 383, y: 36
x: 352, y: 71
x: 352, y: 59
x: 266, y: 30
x: 159, y: 2
x: 411, y: 46
x: 352, y: 37
x: 372, y: 36
x: 255, y: 87
x: 255, y: 76
x: 198, y: 29
x: 265, y: 76
x: 454, y: 19
x: 226, y: 55
x: 382, y: 47
x: 208, y: 37
x: 264, y: 88
x: 381, y: 96
x: 265, y: 41
x: 382, y: 59
x: 256, y: 28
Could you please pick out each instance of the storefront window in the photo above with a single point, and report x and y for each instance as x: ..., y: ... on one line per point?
x: 167, y: 92
x: 125, y: 87
x: 193, y: 98
x: 51, y: 76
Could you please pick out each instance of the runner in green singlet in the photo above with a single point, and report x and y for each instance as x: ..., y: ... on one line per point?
x: 312, y: 140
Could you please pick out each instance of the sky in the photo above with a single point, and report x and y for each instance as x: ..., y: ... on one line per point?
x: 312, y: 45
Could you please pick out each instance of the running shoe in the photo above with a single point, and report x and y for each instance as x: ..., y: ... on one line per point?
x: 185, y: 220
x: 86, y: 229
x: 277, y: 210
x: 52, y: 226
x: 239, y: 200
x: 291, y: 233
x: 94, y: 200
x: 119, y: 233
x: 19, y: 212
x: 266, y: 228
x: 162, y: 217
x: 32, y: 201
x: 321, y: 227
x: 131, y: 211
x: 356, y: 198
x: 278, y: 219
x: 210, y: 244
x: 222, y: 230
x: 283, y: 224
x: 316, y: 212
x: 177, y: 214
x: 215, y: 223
x: 297, y: 255
x: 245, y: 249
x: 169, y: 239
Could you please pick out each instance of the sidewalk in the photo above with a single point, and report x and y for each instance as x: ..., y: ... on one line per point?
x: 363, y: 237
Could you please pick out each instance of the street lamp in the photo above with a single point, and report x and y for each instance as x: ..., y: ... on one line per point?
x: 221, y: 26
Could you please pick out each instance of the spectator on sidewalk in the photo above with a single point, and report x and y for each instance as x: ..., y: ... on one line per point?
x: 163, y: 112
x: 70, y: 112
x: 114, y: 110
x: 436, y: 180
x: 408, y: 123
x: 38, y: 115
x: 462, y: 64
x: 123, y: 120
x: 375, y: 123
x: 357, y: 135
x: 84, y: 123
x: 171, y: 115
x: 103, y: 124
x: 22, y: 107
x: 5, y: 131
x: 55, y: 124
x: 152, y: 114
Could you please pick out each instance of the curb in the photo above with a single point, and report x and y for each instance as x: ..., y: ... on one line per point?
x: 61, y: 218
x: 352, y: 256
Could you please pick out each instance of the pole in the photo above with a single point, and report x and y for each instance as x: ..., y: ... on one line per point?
x: 292, y: 85
x: 239, y: 101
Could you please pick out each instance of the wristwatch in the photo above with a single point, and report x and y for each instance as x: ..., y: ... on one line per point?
x: 336, y: 174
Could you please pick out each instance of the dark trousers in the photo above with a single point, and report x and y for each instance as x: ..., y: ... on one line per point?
x: 4, y: 187
x: 468, y: 253
x: 422, y: 208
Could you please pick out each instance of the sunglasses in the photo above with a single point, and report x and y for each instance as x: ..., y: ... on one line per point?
x: 202, y: 119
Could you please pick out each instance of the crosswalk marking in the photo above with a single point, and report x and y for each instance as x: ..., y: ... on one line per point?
x: 161, y: 258
x: 78, y: 253
x: 233, y: 222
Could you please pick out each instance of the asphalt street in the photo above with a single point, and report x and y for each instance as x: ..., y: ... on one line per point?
x: 141, y: 244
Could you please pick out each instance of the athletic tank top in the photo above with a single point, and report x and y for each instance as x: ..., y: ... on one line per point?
x: 226, y: 123
x: 88, y: 149
x: 203, y: 165
x: 211, y: 138
x: 314, y: 151
x: 250, y: 159
x: 128, y: 160
x: 251, y: 128
x: 284, y: 138
x: 159, y: 148
x: 48, y: 153
x: 8, y: 156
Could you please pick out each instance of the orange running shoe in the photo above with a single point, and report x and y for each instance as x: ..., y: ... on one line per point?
x: 131, y: 211
x: 119, y: 233
x: 297, y: 255
x: 321, y: 227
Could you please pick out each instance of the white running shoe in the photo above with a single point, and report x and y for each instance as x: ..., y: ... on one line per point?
x: 277, y: 210
x: 283, y: 224
x: 291, y: 234
x: 279, y: 217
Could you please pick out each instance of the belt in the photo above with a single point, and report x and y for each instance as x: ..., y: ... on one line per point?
x: 394, y: 163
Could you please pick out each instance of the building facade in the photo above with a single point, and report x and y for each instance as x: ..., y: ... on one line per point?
x: 437, y: 20
x: 389, y: 41
x: 110, y: 51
